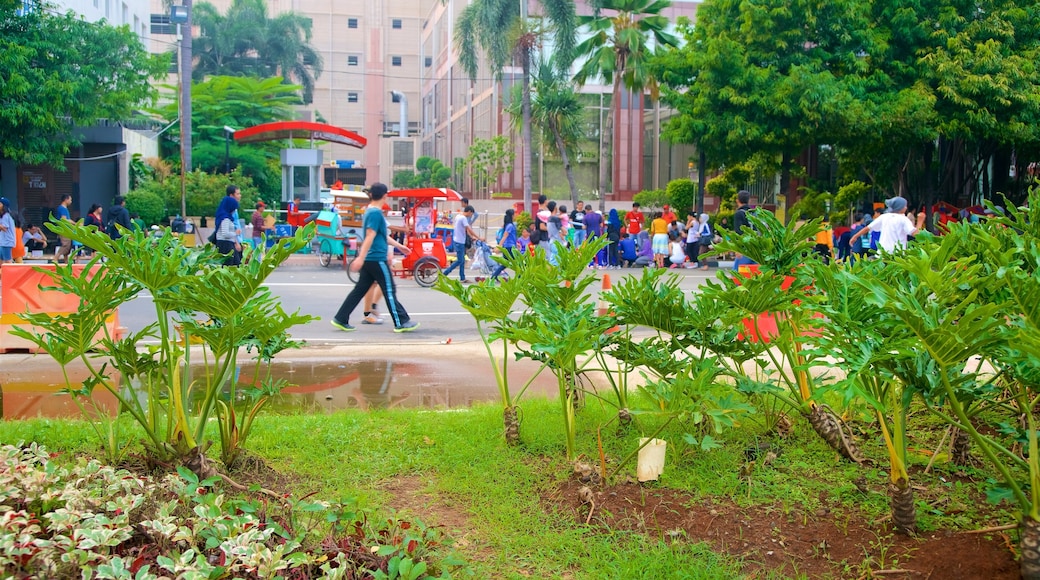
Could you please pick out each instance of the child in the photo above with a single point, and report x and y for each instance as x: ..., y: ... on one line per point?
x: 525, y: 239
x: 628, y: 250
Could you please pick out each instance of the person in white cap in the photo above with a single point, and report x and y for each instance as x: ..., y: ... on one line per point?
x: 894, y: 226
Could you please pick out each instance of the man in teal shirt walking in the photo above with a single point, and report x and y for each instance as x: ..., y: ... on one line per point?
x: 371, y: 264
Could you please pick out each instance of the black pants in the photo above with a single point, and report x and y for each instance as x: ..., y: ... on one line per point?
x: 373, y: 273
x: 693, y: 249
x: 33, y: 245
x: 227, y: 247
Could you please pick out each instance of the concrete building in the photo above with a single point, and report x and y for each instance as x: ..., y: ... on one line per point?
x: 456, y: 110
x: 370, y: 80
x: 97, y: 170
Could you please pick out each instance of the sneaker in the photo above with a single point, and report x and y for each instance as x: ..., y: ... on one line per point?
x: 343, y: 326
x: 407, y: 326
x: 372, y: 319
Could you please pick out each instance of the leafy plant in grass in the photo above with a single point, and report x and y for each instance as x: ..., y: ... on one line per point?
x: 197, y: 301
x: 984, y: 302
x: 783, y: 288
x: 491, y: 303
x: 879, y: 357
x: 683, y: 361
x: 560, y: 325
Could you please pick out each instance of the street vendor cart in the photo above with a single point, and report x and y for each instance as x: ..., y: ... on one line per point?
x: 427, y: 256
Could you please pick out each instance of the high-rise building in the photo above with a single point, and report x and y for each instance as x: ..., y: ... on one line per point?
x: 457, y: 109
x: 370, y: 76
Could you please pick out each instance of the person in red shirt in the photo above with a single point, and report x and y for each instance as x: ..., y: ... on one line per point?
x: 667, y: 214
x: 635, y: 220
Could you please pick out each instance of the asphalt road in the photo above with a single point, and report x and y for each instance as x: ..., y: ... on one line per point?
x: 303, y: 284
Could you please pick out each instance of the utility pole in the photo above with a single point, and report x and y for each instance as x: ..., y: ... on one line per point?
x: 181, y: 15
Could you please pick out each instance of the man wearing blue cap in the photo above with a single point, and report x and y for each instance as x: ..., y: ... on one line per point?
x: 894, y: 226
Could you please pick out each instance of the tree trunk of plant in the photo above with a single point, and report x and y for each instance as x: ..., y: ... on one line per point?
x: 904, y: 514
x: 960, y: 450
x: 624, y: 417
x: 566, y: 163
x: 512, y: 423
x: 1029, y: 546
x: 525, y: 128
x: 829, y: 426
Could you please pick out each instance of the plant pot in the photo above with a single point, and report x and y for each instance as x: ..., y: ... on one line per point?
x: 650, y: 462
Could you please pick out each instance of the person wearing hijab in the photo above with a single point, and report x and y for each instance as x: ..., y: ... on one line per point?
x: 614, y: 235
x: 507, y: 241
x: 227, y: 227
x: 645, y: 254
x: 705, y: 237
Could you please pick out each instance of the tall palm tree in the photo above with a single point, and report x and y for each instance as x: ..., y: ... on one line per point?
x: 557, y: 111
x: 503, y: 31
x: 246, y: 41
x: 617, y: 51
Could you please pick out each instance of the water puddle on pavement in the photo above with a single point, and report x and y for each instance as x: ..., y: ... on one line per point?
x: 320, y: 386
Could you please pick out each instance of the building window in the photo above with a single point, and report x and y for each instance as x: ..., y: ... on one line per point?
x: 352, y: 97
x: 395, y: 61
x: 428, y: 61
x: 394, y: 98
x: 352, y: 60
x: 396, y: 24
x: 351, y: 22
x: 161, y: 24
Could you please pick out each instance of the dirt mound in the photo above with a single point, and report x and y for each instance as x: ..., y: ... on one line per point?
x: 778, y: 539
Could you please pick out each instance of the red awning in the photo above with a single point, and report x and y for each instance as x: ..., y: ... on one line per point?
x: 427, y: 193
x: 299, y: 130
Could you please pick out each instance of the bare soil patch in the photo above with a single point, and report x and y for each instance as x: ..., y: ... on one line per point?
x: 819, y: 545
x: 408, y: 496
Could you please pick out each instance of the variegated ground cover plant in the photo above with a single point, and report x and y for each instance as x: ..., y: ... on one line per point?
x: 89, y: 520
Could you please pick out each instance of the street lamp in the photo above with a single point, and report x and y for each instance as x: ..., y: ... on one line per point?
x: 228, y: 132
x: 181, y: 16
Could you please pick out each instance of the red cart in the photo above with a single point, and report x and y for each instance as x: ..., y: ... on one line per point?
x: 427, y: 256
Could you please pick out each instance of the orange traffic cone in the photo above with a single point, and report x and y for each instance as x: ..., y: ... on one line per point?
x: 601, y: 304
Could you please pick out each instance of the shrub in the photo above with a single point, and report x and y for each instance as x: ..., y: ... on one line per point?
x: 682, y: 193
x: 651, y: 199
x: 148, y: 205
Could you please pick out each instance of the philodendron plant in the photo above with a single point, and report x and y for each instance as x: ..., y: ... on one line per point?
x: 783, y: 288
x: 976, y: 293
x: 197, y: 302
x: 560, y: 325
x: 491, y: 304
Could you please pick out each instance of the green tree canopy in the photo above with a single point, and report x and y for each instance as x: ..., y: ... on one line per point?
x: 882, y: 81
x: 246, y: 41
x: 58, y: 72
x: 236, y: 102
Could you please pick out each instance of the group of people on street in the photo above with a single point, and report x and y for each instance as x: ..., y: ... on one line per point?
x: 19, y: 239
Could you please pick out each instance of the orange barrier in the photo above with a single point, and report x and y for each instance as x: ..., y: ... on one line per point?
x: 21, y: 292
x: 764, y: 326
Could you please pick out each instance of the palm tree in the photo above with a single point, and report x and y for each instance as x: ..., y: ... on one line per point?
x: 556, y: 109
x: 617, y: 51
x: 247, y: 42
x: 502, y: 30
